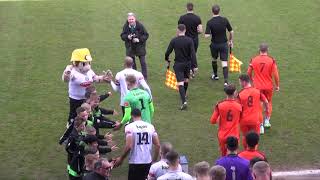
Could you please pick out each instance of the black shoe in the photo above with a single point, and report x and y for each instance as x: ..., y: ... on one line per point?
x: 184, y: 106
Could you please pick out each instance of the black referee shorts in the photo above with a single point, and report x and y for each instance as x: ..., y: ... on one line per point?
x: 182, y: 70
x: 138, y: 171
x: 219, y: 50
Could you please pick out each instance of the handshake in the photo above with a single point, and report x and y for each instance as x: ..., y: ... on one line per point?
x: 133, y: 37
x: 107, y: 76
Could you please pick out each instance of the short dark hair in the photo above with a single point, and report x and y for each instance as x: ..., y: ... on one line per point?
x: 90, y: 150
x: 232, y: 143
x: 172, y: 157
x: 181, y: 27
x: 80, y: 109
x: 90, y: 139
x: 230, y: 89
x: 263, y: 47
x: 189, y: 6
x: 245, y: 78
x: 252, y: 139
x: 215, y: 9
x: 136, y: 112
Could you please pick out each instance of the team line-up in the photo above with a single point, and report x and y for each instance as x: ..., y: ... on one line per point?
x: 239, y: 111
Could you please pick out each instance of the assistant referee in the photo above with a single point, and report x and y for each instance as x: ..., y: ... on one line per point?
x: 216, y: 28
x: 184, y: 54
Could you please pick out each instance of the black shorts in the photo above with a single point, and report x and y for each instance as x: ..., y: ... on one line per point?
x: 138, y: 171
x: 219, y: 50
x: 182, y: 70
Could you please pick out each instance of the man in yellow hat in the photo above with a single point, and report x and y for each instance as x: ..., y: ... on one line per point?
x: 79, y: 75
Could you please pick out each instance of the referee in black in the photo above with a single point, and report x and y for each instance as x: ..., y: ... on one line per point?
x: 193, y: 28
x: 184, y: 54
x: 216, y: 28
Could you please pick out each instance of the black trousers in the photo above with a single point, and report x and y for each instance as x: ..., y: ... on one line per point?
x: 138, y: 171
x: 143, y: 65
x: 196, y: 44
x: 74, y: 104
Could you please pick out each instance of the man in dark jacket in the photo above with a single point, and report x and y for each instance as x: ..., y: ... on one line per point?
x: 101, y: 171
x: 135, y: 36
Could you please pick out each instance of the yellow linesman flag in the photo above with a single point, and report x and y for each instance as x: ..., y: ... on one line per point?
x: 234, y: 64
x: 171, y: 81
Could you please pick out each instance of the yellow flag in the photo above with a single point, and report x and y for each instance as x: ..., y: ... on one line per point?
x: 171, y: 81
x: 234, y: 64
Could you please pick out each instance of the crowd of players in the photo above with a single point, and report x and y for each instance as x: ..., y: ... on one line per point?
x: 240, y: 110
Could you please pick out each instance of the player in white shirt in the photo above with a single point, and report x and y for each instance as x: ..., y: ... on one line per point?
x: 79, y: 76
x: 173, y: 171
x: 141, y: 137
x: 161, y: 167
x: 120, y: 80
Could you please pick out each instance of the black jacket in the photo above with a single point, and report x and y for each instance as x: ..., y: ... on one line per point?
x: 135, y: 49
x: 94, y: 176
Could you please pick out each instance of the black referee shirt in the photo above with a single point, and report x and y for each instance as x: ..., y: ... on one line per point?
x: 191, y: 21
x: 183, y: 49
x: 217, y: 26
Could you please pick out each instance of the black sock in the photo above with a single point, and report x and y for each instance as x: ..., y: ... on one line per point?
x: 225, y: 74
x: 182, y: 93
x: 215, y: 68
x: 186, y: 87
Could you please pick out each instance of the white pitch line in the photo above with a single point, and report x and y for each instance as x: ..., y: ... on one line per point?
x: 297, y: 173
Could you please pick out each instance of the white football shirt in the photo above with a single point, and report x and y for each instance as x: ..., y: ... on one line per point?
x: 159, y: 168
x: 122, y: 85
x: 142, y: 134
x: 173, y: 175
x: 79, y: 82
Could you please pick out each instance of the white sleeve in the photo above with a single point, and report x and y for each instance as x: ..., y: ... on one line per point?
x: 152, y: 173
x: 115, y: 87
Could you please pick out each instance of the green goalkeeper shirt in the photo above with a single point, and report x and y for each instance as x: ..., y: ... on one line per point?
x: 140, y: 99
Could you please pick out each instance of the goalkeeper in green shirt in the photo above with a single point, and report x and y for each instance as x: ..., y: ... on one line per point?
x: 136, y: 98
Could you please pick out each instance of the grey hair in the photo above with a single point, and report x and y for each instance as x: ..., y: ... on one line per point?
x: 131, y: 14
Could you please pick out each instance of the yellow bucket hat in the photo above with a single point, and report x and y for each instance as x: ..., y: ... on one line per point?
x: 82, y: 55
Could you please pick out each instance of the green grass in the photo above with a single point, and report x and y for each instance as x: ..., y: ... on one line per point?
x: 37, y: 39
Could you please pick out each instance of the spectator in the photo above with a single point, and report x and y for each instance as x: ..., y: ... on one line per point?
x: 101, y: 171
x: 201, y: 171
x: 103, y: 140
x: 173, y: 171
x: 236, y: 167
x: 261, y: 171
x: 141, y: 137
x: 135, y: 37
x: 252, y: 139
x: 161, y: 167
x: 218, y: 172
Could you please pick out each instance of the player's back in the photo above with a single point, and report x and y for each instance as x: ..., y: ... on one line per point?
x: 250, y: 99
x: 140, y: 99
x: 235, y: 167
x: 142, y: 135
x: 230, y: 113
x: 263, y: 66
x: 250, y: 154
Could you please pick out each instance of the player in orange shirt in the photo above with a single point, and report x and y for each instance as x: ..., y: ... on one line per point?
x: 251, y: 151
x: 227, y: 113
x: 264, y: 68
x: 250, y: 98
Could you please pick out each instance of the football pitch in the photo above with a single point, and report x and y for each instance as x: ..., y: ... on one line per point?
x: 37, y: 39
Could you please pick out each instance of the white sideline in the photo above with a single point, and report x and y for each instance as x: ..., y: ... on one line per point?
x: 297, y: 173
